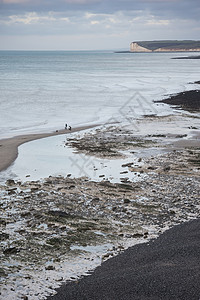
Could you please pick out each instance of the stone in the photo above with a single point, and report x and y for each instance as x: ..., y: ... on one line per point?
x: 10, y: 182
x: 152, y: 168
x: 126, y: 201
x: 137, y: 235
x: 127, y: 165
x: 166, y: 168
x: 12, y: 250
x: 95, y: 199
x: 50, y: 268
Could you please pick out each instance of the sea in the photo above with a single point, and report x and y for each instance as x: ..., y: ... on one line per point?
x: 41, y: 91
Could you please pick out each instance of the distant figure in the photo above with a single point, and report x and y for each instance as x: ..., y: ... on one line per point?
x: 65, y: 126
x: 70, y: 128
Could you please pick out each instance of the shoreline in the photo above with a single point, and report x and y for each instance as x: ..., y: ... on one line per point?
x: 9, y: 146
x: 59, y: 220
x: 164, y: 268
x: 188, y: 100
x: 54, y: 220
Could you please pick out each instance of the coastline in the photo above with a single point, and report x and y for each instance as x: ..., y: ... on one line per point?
x: 59, y: 213
x: 165, y: 268
x: 9, y: 146
x: 188, y: 101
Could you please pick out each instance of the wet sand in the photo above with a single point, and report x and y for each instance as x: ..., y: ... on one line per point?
x: 165, y: 268
x: 9, y: 146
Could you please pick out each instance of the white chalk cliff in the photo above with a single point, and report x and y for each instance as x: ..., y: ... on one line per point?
x: 134, y: 47
x: 175, y: 47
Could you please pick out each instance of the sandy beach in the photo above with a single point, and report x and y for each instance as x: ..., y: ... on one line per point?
x: 9, y: 146
x: 57, y: 229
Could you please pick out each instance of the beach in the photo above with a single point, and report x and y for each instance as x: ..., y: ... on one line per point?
x: 59, y: 228
x: 165, y: 268
x: 9, y: 146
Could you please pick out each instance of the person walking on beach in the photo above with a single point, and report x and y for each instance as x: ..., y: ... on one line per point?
x: 65, y: 126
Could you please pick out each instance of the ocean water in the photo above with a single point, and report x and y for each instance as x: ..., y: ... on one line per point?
x: 41, y: 91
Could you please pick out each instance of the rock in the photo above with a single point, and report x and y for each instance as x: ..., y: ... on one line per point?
x: 166, y: 168
x: 124, y: 172
x: 95, y: 199
x: 49, y: 268
x: 107, y: 255
x: 120, y: 247
x: 33, y: 189
x: 126, y: 201
x: 125, y: 180
x: 58, y: 213
x: 2, y: 273
x: 127, y: 165
x: 137, y: 235
x: 12, y: 191
x: 121, y: 234
x: 10, y: 182
x: 192, y: 127
x: 59, y: 279
x: 71, y: 187
x: 12, y: 250
x: 4, y: 236
x: 152, y: 168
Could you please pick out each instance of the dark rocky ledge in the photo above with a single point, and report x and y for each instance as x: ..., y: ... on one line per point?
x: 188, y: 57
x: 189, y: 100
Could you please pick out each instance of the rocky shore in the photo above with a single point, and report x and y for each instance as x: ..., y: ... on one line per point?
x: 45, y: 219
x: 189, y: 100
x: 55, y: 229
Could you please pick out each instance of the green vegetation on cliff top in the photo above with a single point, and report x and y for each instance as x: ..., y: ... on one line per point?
x: 175, y: 44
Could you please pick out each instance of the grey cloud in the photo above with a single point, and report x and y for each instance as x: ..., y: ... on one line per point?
x: 178, y: 8
x: 167, y: 19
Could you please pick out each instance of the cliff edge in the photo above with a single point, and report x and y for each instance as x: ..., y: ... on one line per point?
x: 134, y: 47
x: 165, y: 46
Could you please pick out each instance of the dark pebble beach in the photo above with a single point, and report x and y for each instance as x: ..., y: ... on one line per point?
x: 164, y: 268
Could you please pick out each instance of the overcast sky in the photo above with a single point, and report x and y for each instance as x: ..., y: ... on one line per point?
x: 94, y: 24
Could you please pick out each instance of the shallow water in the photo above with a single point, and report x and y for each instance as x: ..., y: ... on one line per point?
x: 51, y: 157
x: 44, y: 90
x: 41, y: 91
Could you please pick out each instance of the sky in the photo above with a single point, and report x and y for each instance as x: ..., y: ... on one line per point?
x: 94, y: 24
